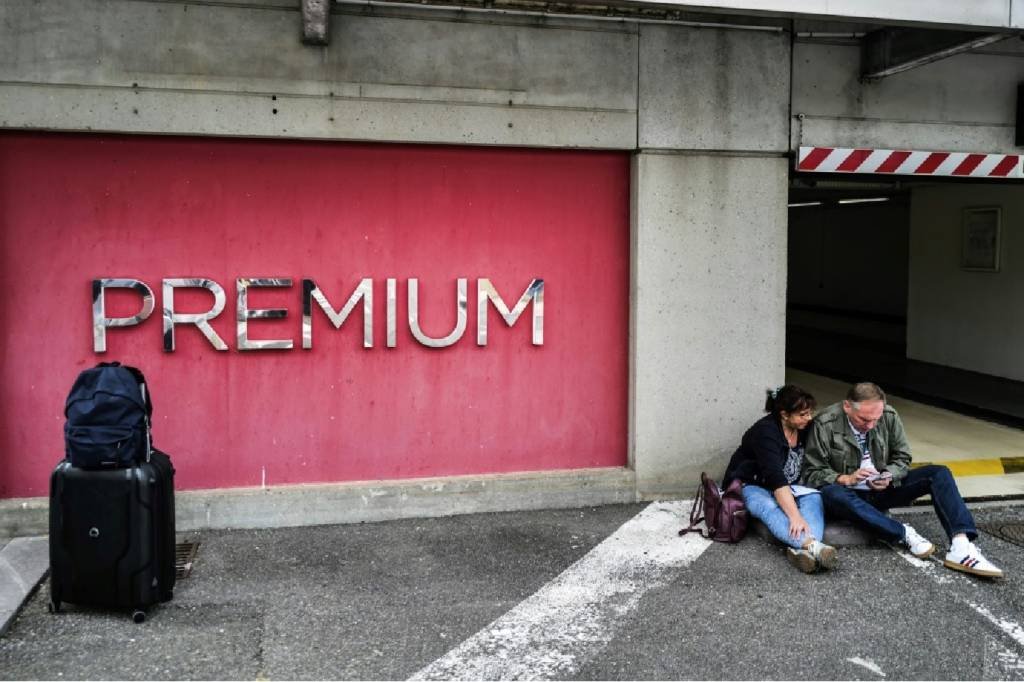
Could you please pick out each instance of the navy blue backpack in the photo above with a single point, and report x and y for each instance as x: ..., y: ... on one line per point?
x: 108, y: 415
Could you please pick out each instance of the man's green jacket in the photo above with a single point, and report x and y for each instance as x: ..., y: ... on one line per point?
x: 832, y: 449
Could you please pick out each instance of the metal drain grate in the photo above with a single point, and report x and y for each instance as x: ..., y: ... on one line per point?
x: 1011, y: 532
x: 184, y: 555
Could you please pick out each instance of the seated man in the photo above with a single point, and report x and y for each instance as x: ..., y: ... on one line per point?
x: 858, y: 455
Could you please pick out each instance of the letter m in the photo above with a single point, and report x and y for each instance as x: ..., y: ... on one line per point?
x: 486, y: 292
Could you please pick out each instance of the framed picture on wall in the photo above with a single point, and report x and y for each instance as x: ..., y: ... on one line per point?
x: 980, y: 252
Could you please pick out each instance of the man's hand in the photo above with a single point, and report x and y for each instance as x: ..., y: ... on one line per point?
x: 882, y: 482
x: 856, y: 477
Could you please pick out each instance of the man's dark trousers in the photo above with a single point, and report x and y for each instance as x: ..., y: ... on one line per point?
x: 866, y: 508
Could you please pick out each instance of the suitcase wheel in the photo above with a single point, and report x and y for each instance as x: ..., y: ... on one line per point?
x: 53, y: 606
x: 167, y: 596
x: 139, y: 616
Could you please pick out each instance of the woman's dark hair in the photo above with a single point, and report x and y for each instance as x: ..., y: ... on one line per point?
x: 789, y: 398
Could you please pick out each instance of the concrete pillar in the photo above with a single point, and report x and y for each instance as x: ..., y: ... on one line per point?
x: 707, y: 329
x: 708, y: 247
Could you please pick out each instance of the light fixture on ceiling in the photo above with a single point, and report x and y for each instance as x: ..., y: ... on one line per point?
x: 865, y: 200
x: 801, y: 204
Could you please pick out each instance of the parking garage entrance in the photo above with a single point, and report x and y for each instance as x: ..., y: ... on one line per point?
x: 915, y: 283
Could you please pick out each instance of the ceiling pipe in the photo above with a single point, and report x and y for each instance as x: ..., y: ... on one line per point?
x: 559, y: 15
x: 885, y: 54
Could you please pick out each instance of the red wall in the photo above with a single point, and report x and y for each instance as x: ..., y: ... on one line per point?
x: 75, y: 207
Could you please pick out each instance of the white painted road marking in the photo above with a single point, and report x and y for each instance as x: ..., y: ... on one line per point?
x: 1008, y: 627
x: 870, y: 665
x: 560, y: 627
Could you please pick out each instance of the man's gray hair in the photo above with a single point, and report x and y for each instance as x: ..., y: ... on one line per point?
x: 865, y: 390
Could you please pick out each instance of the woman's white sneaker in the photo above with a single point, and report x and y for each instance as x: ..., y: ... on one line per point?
x: 826, y: 555
x: 802, y: 559
x: 918, y: 545
x: 971, y: 561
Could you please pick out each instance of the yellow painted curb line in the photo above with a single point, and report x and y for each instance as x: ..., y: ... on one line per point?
x: 980, y: 467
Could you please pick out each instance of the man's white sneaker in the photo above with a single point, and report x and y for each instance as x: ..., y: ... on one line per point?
x: 971, y: 561
x: 918, y: 546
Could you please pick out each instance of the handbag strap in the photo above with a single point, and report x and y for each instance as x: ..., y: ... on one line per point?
x: 695, y: 510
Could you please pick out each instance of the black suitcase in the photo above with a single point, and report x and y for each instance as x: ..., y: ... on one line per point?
x: 112, y: 536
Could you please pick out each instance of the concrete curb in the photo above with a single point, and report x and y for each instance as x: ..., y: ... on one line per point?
x: 367, y: 501
x: 311, y: 505
x: 24, y: 562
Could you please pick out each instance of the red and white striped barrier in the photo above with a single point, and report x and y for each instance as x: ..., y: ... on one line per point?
x: 903, y: 162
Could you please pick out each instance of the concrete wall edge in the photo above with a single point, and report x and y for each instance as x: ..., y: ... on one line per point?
x: 366, y: 501
x: 744, y: 153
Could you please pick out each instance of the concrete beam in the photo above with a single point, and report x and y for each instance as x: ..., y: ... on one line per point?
x: 962, y: 104
x: 227, y: 114
x: 234, y: 69
x: 981, y: 14
x: 894, y: 50
x: 713, y: 89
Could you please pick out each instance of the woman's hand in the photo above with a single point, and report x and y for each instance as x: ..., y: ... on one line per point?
x: 798, y: 527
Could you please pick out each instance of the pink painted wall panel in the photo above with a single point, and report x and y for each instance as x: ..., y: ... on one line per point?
x: 76, y: 207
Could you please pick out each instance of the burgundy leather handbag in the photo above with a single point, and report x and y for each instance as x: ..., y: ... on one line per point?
x: 723, y: 512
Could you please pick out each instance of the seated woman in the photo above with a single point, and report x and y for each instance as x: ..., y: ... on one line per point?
x: 768, y: 463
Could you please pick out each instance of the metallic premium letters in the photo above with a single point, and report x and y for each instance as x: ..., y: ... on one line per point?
x: 311, y: 292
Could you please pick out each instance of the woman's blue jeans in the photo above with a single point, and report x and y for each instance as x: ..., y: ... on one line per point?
x: 761, y: 504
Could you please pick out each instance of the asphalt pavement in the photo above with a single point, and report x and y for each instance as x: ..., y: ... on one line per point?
x: 599, y: 593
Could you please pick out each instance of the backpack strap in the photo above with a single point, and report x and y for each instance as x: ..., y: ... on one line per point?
x: 140, y: 377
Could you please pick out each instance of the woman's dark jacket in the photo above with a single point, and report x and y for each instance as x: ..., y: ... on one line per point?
x: 762, y: 454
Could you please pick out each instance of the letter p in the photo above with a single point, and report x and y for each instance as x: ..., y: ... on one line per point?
x: 100, y: 321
